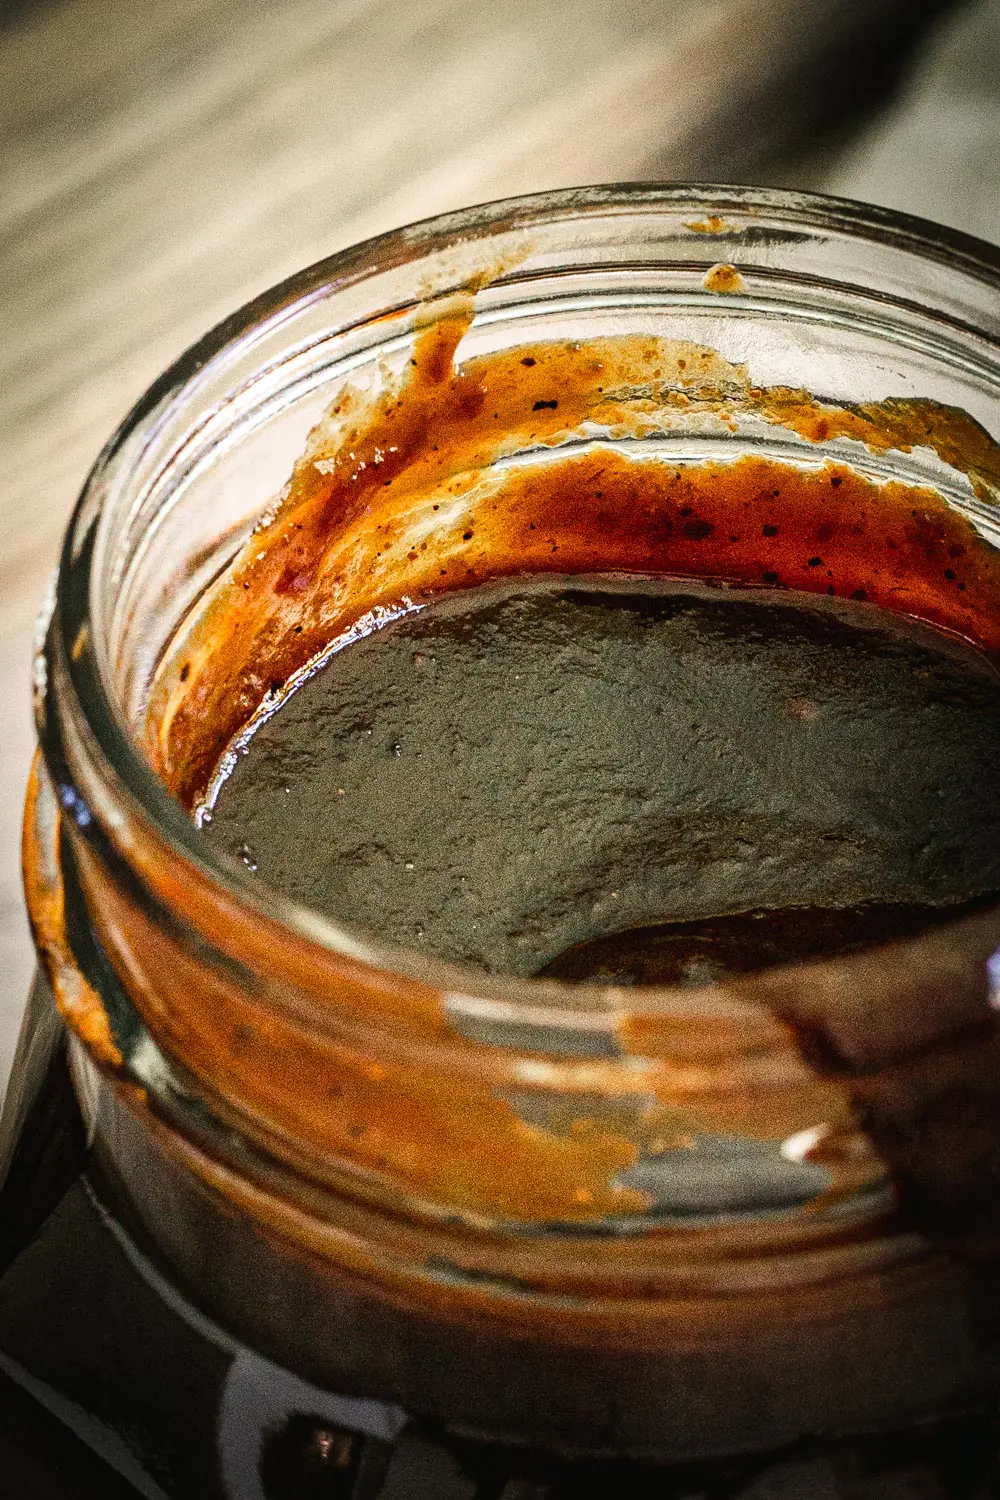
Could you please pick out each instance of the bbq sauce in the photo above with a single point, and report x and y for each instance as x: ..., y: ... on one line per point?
x: 628, y: 780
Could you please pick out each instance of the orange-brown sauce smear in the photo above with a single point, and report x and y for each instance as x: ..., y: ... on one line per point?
x: 592, y: 715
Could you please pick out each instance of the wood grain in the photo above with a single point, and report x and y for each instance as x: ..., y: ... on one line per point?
x: 160, y: 164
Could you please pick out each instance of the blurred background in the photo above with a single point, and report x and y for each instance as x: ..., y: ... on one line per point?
x: 163, y: 160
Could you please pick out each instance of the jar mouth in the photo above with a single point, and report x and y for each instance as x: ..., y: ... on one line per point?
x: 122, y: 801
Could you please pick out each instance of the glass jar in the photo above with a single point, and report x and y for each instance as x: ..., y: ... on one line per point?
x: 291, y: 1211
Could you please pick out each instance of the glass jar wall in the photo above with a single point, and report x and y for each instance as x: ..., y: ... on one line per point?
x: 379, y: 1204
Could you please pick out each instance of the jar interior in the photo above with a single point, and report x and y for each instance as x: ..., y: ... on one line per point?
x: 716, y: 387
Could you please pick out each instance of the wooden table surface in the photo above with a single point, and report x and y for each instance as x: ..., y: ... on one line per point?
x: 161, y: 163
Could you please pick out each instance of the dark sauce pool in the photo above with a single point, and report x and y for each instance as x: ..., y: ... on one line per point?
x: 628, y: 780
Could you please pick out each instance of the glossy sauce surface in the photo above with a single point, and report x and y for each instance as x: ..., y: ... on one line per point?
x: 530, y: 775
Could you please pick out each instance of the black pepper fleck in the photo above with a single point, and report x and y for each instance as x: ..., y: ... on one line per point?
x: 698, y: 530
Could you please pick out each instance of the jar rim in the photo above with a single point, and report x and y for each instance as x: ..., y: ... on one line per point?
x: 132, y: 789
